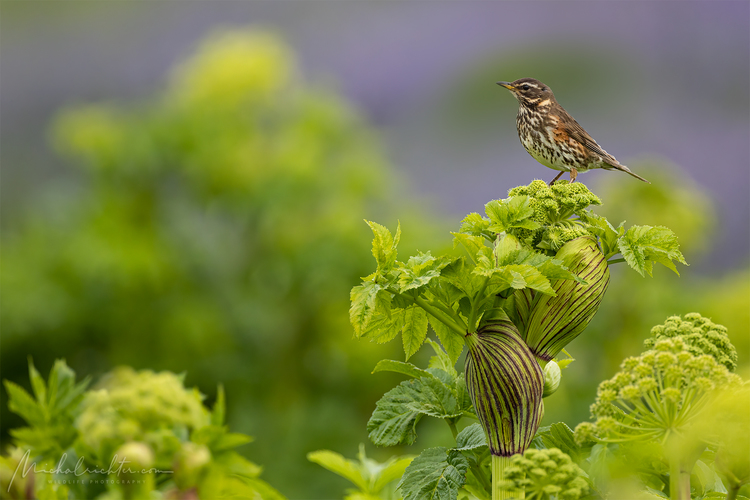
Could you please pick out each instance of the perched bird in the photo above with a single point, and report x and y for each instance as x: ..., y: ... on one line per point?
x: 552, y: 136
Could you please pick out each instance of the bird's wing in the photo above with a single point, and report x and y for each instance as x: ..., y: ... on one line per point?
x: 576, y: 132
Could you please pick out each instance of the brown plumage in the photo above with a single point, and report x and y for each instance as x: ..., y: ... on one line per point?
x: 552, y: 136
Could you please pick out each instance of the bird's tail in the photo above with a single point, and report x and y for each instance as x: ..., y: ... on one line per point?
x: 625, y: 169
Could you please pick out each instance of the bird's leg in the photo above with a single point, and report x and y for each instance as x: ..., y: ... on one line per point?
x: 558, y: 176
x: 573, y: 174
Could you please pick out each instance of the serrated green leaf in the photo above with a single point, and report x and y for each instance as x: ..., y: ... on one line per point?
x: 420, y: 270
x: 383, y: 327
x: 442, y: 360
x: 463, y: 398
x: 393, y: 422
x: 398, y: 411
x: 474, y: 245
x: 38, y: 385
x: 389, y: 365
x: 384, y: 246
x: 470, y: 438
x: 23, y: 404
x: 460, y: 275
x: 475, y: 225
x: 641, y: 246
x: 414, y: 331
x: 560, y: 436
x: 336, y: 463
x: 452, y: 342
x: 436, y: 474
x: 515, y: 212
x: 367, y: 299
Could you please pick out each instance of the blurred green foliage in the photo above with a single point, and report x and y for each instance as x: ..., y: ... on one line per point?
x: 137, y: 435
x: 216, y: 229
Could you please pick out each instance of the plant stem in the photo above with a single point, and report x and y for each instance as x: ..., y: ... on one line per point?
x: 452, y: 425
x: 440, y: 315
x: 679, y: 481
x: 498, y: 468
x: 615, y: 261
x: 732, y: 494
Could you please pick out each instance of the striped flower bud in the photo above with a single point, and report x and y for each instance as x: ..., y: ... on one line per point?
x: 548, y: 323
x: 505, y: 385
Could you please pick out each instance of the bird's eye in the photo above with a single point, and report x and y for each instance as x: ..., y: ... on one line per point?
x: 525, y: 87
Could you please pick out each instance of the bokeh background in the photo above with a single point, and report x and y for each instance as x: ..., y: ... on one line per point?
x: 183, y: 185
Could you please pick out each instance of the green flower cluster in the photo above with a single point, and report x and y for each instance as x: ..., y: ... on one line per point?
x: 545, y: 475
x: 655, y: 395
x: 700, y: 335
x: 147, y: 407
x: 138, y: 435
x: 553, y: 208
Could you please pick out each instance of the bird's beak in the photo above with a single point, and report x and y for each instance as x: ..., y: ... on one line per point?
x: 507, y: 85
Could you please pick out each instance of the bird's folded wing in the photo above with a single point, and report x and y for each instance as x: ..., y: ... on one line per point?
x: 580, y: 135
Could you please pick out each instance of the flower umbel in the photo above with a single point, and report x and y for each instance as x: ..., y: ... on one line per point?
x: 545, y: 475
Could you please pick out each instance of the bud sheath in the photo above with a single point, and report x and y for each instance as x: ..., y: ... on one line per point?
x: 551, y: 322
x: 505, y: 385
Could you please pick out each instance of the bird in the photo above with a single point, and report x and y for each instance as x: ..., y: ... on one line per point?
x: 552, y: 137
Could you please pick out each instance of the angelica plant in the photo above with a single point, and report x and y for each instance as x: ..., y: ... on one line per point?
x: 664, y: 395
x: 533, y: 275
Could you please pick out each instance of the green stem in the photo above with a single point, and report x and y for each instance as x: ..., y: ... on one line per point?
x: 679, y: 481
x: 499, y: 464
x: 732, y: 494
x: 452, y: 425
x: 615, y: 261
x: 475, y: 306
x: 440, y: 315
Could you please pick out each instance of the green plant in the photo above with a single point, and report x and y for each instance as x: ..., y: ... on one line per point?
x: 536, y: 272
x: 374, y: 480
x: 136, y: 435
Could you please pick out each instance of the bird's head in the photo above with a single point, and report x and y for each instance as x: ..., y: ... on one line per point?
x: 529, y: 91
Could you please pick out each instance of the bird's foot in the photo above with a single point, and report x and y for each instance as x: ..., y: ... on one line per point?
x: 558, y: 176
x: 573, y: 175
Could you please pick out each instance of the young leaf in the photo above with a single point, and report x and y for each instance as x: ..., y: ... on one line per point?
x: 474, y: 245
x: 384, y: 326
x: 415, y: 330
x: 389, y: 365
x: 38, y: 385
x: 21, y: 403
x: 366, y: 299
x: 420, y: 270
x: 452, y: 342
x: 470, y: 438
x: 643, y: 245
x: 515, y: 212
x: 337, y: 464
x: 441, y: 360
x: 560, y: 436
x: 436, y: 474
x: 384, y: 246
x: 475, y: 225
